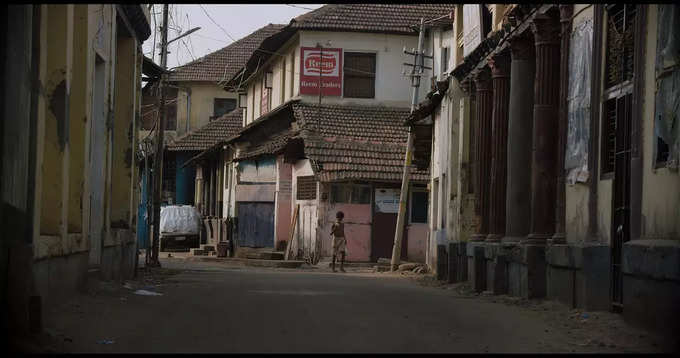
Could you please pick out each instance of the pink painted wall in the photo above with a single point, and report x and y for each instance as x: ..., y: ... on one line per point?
x: 284, y: 215
x: 417, y: 242
x: 357, y: 229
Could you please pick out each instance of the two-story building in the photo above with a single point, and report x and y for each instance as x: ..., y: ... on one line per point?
x: 196, y: 97
x: 338, y: 149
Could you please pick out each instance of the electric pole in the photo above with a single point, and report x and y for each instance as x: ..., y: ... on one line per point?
x: 158, y: 158
x: 416, y: 73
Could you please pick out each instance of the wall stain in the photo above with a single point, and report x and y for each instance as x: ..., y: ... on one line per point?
x: 59, y: 108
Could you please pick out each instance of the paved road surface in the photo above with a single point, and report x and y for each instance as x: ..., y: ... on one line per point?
x: 231, y: 309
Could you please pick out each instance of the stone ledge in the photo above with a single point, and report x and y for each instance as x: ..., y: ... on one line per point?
x: 564, y: 256
x: 656, y: 259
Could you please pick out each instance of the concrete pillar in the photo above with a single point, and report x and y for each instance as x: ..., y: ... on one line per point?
x: 500, y: 73
x: 484, y: 102
x: 566, y: 12
x: 520, y: 125
x: 546, y: 96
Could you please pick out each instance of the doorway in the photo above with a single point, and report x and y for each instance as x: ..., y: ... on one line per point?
x: 98, y: 139
x: 385, y: 211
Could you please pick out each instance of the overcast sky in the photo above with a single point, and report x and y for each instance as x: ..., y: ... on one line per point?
x: 230, y: 21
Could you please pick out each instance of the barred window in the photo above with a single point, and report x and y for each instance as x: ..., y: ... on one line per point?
x: 306, y: 188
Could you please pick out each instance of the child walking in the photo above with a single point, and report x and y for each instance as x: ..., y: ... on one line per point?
x: 339, y: 240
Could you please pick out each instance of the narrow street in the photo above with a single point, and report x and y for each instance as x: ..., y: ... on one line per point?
x: 219, y: 308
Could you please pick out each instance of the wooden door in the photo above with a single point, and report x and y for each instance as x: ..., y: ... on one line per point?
x: 256, y: 224
x: 385, y: 224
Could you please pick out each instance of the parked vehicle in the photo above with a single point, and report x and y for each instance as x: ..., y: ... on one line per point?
x: 180, y: 226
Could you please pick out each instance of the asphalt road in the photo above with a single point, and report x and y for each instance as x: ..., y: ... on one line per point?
x: 234, y: 310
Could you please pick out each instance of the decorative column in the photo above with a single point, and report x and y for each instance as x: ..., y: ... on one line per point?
x: 546, y: 97
x: 520, y: 129
x: 560, y: 211
x: 500, y: 73
x: 483, y: 112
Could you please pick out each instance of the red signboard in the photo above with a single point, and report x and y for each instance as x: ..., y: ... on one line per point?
x: 324, y: 65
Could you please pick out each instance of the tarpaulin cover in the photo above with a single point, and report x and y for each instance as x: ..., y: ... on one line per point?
x: 667, y: 103
x: 578, y: 103
x: 183, y: 219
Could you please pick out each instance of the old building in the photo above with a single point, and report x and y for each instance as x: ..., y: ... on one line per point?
x: 567, y: 119
x: 71, y: 114
x: 196, y: 97
x: 341, y: 149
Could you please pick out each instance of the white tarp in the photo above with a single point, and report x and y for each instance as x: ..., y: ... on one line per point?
x: 183, y: 219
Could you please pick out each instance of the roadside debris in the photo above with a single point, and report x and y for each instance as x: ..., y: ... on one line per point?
x: 147, y: 293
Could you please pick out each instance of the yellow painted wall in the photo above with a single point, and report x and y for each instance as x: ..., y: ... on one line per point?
x: 55, y: 86
x: 78, y: 119
x: 202, y: 104
x: 660, y: 187
x: 124, y: 86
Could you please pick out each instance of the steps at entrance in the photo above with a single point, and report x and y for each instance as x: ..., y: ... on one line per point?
x: 208, y: 248
x: 259, y: 253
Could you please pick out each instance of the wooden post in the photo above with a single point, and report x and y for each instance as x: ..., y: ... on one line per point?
x: 289, y: 244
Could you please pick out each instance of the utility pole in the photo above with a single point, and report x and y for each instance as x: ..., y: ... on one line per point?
x: 158, y: 158
x: 416, y: 72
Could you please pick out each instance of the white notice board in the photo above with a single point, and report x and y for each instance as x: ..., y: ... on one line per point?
x: 387, y: 200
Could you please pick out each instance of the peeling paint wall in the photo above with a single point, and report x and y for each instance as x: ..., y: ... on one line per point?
x: 660, y: 187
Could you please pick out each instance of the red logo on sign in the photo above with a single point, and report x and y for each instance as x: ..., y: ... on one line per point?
x: 327, y: 63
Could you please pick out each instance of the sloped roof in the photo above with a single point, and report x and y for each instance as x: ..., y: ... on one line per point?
x: 388, y: 18
x: 223, y: 64
x: 356, y: 142
x: 210, y: 134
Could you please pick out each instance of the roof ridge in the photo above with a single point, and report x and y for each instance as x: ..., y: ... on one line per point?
x: 251, y: 36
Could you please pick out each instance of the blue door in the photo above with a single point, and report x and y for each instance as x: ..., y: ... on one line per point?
x: 255, y: 224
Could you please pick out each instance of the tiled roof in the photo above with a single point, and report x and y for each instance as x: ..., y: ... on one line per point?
x: 223, y: 64
x: 213, y: 132
x: 356, y: 142
x: 390, y: 18
x: 274, y: 145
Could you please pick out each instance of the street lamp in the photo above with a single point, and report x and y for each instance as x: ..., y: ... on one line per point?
x: 185, y: 34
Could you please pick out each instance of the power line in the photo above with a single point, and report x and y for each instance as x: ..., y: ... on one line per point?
x: 299, y: 7
x: 214, y: 22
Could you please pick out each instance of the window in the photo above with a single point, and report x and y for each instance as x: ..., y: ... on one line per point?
x: 350, y: 194
x: 306, y: 188
x: 667, y: 101
x: 619, y: 71
x: 419, y: 205
x: 445, y: 59
x: 223, y: 106
x: 359, y: 70
x: 620, y: 44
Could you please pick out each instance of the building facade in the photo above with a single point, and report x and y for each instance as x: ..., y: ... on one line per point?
x: 566, y: 131
x: 69, y: 137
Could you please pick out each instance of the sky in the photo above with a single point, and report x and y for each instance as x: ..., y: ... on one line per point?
x: 229, y: 22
